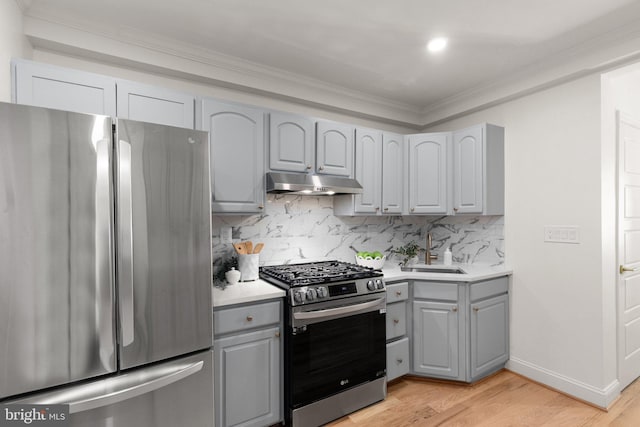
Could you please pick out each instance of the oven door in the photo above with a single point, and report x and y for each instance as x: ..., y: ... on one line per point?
x: 334, y: 347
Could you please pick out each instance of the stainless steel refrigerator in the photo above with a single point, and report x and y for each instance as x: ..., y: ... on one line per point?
x: 105, y: 268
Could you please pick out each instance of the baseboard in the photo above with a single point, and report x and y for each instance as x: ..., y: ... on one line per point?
x: 601, y: 398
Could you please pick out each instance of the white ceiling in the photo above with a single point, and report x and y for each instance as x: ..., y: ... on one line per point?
x: 375, y: 47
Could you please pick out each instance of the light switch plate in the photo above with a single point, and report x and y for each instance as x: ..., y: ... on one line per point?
x: 562, y: 234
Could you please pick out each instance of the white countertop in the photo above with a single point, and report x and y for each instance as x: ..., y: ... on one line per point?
x: 258, y: 290
x: 243, y: 292
x: 473, y: 273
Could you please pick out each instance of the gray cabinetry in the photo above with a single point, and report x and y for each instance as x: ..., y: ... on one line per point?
x: 154, y: 104
x: 291, y: 143
x: 460, y: 330
x: 393, y: 171
x: 478, y: 170
x: 247, y: 373
x: 368, y: 170
x: 44, y: 85
x: 334, y: 148
x: 397, y: 340
x: 428, y: 173
x: 236, y: 133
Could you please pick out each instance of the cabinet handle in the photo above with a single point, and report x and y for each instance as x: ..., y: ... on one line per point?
x: 260, y: 206
x: 399, y: 360
x: 454, y: 309
x: 386, y: 209
x: 624, y: 269
x: 249, y: 318
x: 277, y: 334
x: 476, y: 309
x: 413, y: 209
x: 455, y: 209
x: 309, y: 167
x: 321, y: 168
x: 377, y: 208
x: 398, y: 293
x: 396, y: 321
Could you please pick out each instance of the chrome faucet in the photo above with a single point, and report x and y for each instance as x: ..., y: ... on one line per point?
x: 428, y: 256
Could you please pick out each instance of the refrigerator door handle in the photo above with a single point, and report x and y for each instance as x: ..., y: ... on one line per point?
x: 110, y: 391
x: 126, y: 391
x: 125, y: 242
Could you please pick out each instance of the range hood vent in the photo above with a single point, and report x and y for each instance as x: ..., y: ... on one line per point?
x: 311, y: 185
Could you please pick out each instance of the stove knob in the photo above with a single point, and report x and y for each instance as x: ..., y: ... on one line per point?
x: 379, y: 284
x: 298, y: 296
x: 322, y: 292
x: 311, y: 294
x: 371, y: 286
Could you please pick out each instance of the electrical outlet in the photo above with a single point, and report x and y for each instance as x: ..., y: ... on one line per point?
x: 225, y: 234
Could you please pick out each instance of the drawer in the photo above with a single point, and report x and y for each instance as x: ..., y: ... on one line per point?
x: 397, y: 292
x: 397, y: 359
x: 435, y: 290
x: 488, y: 288
x: 396, y: 320
x: 248, y: 317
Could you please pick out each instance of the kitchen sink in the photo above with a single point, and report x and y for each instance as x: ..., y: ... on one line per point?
x: 433, y: 269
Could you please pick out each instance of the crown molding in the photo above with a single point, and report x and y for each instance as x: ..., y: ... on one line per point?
x: 23, y: 5
x: 167, y: 56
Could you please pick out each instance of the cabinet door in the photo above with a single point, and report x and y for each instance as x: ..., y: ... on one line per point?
x: 468, y: 149
x: 155, y: 105
x: 48, y: 86
x: 392, y: 173
x: 247, y: 379
x: 435, y: 339
x: 428, y: 173
x: 237, y: 164
x: 291, y: 143
x: 334, y: 149
x: 489, y: 335
x: 368, y: 170
x: 397, y: 359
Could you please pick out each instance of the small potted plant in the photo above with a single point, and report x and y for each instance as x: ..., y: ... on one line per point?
x: 408, y: 252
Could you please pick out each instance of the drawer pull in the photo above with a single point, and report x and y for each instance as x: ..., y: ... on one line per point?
x: 476, y: 309
x: 454, y: 309
x: 277, y: 334
x: 396, y: 321
x: 399, y: 360
x: 249, y: 318
x: 398, y: 293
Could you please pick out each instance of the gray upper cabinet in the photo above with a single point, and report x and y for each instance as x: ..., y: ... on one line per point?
x: 428, y: 173
x: 334, y: 148
x: 379, y: 168
x: 393, y: 154
x: 291, y: 143
x: 154, y: 104
x: 44, y: 85
x: 368, y: 170
x: 478, y: 170
x: 236, y: 133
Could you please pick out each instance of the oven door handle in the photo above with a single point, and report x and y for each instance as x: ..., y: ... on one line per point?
x: 339, y: 311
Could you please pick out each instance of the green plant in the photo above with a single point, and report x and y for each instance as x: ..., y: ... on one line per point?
x: 407, y: 251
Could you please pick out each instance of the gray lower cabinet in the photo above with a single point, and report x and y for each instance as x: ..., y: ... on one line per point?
x: 397, y: 340
x: 457, y: 331
x: 248, y: 365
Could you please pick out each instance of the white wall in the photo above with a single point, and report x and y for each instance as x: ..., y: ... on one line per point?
x: 12, y: 44
x: 560, y: 319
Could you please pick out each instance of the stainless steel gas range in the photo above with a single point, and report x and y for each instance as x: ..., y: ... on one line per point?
x: 335, y: 354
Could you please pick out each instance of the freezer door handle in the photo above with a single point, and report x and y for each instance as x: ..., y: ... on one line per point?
x: 125, y: 242
x: 110, y: 391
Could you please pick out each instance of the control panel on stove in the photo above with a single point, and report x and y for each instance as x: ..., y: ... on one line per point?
x: 317, y: 293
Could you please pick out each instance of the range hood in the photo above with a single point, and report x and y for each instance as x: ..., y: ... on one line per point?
x: 312, y: 185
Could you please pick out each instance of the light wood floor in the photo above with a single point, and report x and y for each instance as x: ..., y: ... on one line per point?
x: 504, y: 399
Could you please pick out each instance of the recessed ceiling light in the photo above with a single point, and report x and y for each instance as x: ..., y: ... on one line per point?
x: 437, y: 44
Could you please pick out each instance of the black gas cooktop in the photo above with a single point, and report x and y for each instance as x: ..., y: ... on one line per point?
x: 313, y: 273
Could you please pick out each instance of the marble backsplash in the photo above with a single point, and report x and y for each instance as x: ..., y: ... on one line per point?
x: 304, y: 228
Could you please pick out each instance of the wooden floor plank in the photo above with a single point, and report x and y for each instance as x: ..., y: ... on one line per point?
x: 504, y: 399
